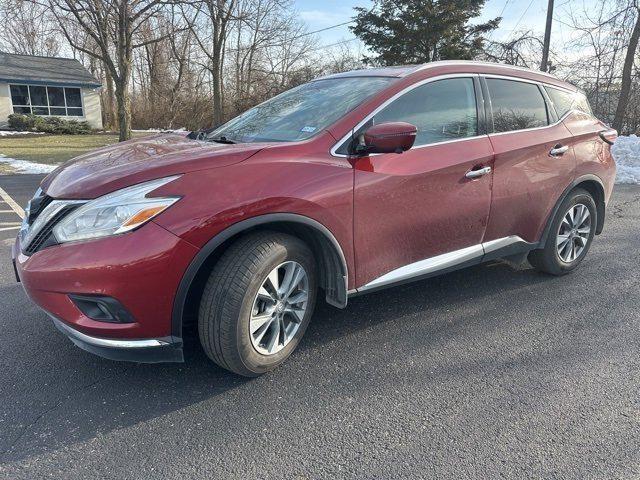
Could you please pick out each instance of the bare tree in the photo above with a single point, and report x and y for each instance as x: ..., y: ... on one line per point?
x: 522, y: 50
x: 209, y: 21
x: 603, y: 35
x: 27, y: 29
x: 625, y: 87
x: 114, y: 28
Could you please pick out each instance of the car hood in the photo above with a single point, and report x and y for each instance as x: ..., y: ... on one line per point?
x: 117, y: 166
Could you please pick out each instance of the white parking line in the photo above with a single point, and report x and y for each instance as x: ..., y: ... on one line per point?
x: 11, y: 202
x: 4, y: 229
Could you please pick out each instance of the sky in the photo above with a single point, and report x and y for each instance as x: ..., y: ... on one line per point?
x: 517, y: 15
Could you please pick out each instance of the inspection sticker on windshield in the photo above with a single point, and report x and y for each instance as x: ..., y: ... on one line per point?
x: 308, y: 129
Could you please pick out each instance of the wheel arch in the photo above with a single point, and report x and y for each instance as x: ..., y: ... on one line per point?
x: 594, y: 185
x: 332, y: 264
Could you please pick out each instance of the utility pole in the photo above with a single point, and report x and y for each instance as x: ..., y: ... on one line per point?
x: 547, y: 38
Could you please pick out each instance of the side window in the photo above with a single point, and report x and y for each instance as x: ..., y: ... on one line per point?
x: 564, y: 101
x: 516, y: 105
x: 582, y: 104
x: 441, y: 110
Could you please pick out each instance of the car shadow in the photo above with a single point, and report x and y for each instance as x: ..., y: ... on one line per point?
x: 63, y: 395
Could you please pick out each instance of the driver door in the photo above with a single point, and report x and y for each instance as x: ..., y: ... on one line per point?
x: 411, y: 209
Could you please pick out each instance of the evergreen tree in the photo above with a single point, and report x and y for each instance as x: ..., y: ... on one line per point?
x: 419, y: 31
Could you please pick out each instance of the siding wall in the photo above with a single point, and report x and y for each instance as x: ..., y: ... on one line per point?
x: 92, y: 107
x: 90, y: 100
x: 5, y: 104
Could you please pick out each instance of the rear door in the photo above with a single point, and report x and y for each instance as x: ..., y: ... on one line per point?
x: 414, y: 206
x: 534, y: 161
x: 593, y: 156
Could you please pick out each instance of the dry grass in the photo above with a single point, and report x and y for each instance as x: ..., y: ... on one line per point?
x: 54, y: 149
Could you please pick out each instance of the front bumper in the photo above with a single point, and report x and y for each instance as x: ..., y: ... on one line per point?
x: 150, y: 350
x: 140, y: 269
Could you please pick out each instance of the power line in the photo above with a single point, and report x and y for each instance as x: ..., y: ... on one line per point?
x: 324, y: 29
x: 342, y: 42
x: 504, y: 7
x: 522, y: 16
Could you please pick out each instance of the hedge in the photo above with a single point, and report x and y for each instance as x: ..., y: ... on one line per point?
x: 55, y: 125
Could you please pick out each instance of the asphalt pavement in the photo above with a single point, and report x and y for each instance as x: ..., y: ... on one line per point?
x: 491, y: 372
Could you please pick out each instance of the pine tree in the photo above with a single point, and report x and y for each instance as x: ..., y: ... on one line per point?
x: 419, y: 31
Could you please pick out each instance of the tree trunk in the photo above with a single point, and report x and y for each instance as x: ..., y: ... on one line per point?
x: 109, y: 113
x: 625, y: 88
x: 124, y: 110
x: 216, y: 70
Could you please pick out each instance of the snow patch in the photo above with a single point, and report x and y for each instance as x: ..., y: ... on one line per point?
x: 9, y: 133
x: 24, y: 166
x: 626, y: 152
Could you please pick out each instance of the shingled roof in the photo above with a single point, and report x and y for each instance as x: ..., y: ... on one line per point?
x: 45, y: 70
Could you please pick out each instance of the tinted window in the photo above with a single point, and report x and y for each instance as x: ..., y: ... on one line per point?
x: 20, y: 94
x: 302, y: 111
x: 564, y: 101
x: 516, y: 105
x: 441, y: 110
x: 56, y: 96
x: 73, y: 97
x: 38, y: 95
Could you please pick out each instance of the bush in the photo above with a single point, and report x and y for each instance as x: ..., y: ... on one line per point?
x: 54, y: 125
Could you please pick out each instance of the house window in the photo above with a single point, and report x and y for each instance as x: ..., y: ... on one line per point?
x: 41, y: 100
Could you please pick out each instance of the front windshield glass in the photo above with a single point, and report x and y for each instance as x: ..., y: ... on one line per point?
x: 301, y: 112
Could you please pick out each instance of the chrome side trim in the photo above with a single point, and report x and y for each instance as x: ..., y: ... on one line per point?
x: 440, y: 262
x: 424, y: 267
x: 457, y: 75
x: 74, y: 334
x: 499, y: 243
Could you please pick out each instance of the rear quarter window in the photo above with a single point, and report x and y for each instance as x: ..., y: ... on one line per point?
x: 564, y: 101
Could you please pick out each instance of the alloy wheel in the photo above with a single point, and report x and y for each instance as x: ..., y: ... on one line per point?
x: 279, y: 308
x: 573, y: 233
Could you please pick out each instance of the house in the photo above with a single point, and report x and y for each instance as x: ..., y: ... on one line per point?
x: 48, y: 86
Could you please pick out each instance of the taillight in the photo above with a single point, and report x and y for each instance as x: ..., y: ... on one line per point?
x: 609, y: 136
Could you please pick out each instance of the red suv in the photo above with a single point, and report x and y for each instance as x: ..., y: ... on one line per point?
x: 344, y: 185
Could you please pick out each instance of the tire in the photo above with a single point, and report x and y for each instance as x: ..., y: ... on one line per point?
x: 554, y: 258
x: 230, y: 298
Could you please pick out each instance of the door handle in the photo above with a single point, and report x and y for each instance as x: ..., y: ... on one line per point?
x: 478, y: 173
x: 558, y: 150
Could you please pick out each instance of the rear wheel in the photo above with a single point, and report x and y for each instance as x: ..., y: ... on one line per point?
x: 257, y: 302
x: 570, y: 235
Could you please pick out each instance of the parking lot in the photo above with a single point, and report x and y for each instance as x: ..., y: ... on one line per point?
x: 491, y: 372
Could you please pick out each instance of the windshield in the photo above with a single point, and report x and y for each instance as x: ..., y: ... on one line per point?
x: 301, y: 112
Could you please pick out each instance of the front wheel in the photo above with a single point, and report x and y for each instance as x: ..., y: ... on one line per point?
x: 570, y: 235
x: 258, y: 302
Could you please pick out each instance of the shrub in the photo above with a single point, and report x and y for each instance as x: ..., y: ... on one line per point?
x: 20, y: 122
x: 54, y: 125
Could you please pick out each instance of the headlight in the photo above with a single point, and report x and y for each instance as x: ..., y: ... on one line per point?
x: 117, y: 212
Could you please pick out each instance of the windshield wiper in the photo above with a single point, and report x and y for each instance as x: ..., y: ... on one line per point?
x: 222, y: 139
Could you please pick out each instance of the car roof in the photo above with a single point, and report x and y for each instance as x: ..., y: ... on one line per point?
x: 474, y: 67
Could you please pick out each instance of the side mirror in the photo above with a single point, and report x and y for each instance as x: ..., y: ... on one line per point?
x: 392, y: 137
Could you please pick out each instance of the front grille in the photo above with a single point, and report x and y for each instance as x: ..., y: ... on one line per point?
x: 37, y: 205
x: 44, y: 237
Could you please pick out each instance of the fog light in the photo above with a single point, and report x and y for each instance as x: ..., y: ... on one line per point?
x: 101, y: 308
